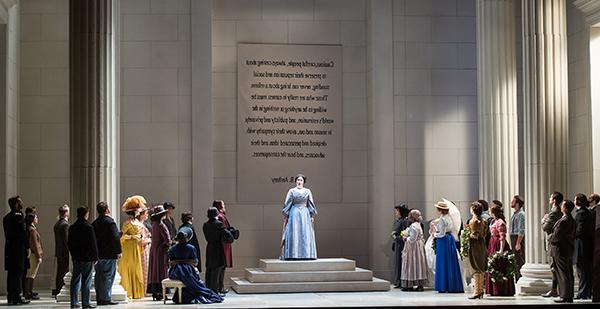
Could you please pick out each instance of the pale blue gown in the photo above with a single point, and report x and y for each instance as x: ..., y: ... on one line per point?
x: 299, y: 234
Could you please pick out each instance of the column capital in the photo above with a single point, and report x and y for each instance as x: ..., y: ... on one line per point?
x: 590, y: 9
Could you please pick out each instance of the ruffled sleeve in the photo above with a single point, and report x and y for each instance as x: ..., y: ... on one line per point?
x: 441, y: 228
x: 501, y: 227
x: 414, y: 232
x: 287, y: 205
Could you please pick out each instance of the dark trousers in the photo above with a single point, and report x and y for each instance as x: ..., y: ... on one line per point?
x: 81, y: 279
x: 14, y: 283
x: 519, y: 255
x: 212, y: 278
x: 221, y: 277
x: 105, y: 275
x: 584, y: 272
x: 62, y: 268
x: 564, y: 275
x: 554, y: 277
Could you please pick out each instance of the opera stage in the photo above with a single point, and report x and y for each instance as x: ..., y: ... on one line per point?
x: 392, y: 298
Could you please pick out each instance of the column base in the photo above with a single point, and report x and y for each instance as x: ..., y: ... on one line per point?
x: 536, y: 279
x: 118, y: 292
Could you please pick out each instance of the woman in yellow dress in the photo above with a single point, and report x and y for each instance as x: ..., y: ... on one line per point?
x: 130, y: 264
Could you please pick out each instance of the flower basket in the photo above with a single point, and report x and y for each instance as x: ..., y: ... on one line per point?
x: 501, y: 266
x: 465, y: 244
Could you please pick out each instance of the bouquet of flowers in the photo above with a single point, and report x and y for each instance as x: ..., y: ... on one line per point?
x: 501, y: 266
x: 465, y: 245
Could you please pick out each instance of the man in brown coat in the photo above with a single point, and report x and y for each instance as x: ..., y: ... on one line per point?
x: 561, y: 250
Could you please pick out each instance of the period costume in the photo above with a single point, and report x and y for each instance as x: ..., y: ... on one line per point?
x: 35, y: 259
x: 183, y: 260
x: 194, y: 242
x: 215, y: 234
x: 145, y: 244
x: 448, y: 277
x: 498, y: 288
x: 130, y: 264
x: 561, y: 250
x: 15, y: 254
x: 478, y: 252
x: 584, y: 251
x: 517, y: 228
x: 298, y: 240
x: 226, y: 249
x: 159, y: 263
x: 169, y: 223
x: 414, y: 265
x: 400, y: 225
x: 61, y: 253
x: 548, y: 223
x: 109, y: 248
x: 84, y: 252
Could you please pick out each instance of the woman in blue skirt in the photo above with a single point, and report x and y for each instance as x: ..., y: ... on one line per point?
x: 448, y: 278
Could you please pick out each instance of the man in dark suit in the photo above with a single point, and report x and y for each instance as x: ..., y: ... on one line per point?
x: 227, y: 250
x: 584, y: 246
x: 61, y: 249
x: 548, y: 222
x: 15, y: 251
x: 215, y: 234
x: 84, y: 252
x: 187, y: 220
x: 169, y: 221
x: 561, y: 250
x: 109, y: 251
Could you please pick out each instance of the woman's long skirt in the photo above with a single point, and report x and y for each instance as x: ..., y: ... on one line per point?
x: 448, y: 278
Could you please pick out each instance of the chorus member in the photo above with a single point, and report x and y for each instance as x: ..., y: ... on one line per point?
x: 187, y: 220
x: 584, y: 246
x: 130, y: 264
x: 298, y: 240
x: 84, y: 252
x: 183, y: 261
x: 414, y: 265
x: 169, y: 221
x: 35, y: 254
x: 478, y: 228
x: 400, y: 224
x: 220, y: 205
x: 159, y: 263
x: 517, y: 233
x: 215, y: 234
x: 15, y: 250
x: 61, y: 249
x: 145, y: 243
x: 448, y: 277
x: 561, y: 249
x: 109, y: 251
x: 548, y: 222
x: 498, y: 244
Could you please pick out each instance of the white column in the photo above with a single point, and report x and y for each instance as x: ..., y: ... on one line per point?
x: 545, y: 128
x: 381, y: 132
x: 497, y: 101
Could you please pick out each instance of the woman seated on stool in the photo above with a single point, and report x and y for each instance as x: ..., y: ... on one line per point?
x: 183, y: 260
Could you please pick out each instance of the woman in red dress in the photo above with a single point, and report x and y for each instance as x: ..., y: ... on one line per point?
x: 498, y: 243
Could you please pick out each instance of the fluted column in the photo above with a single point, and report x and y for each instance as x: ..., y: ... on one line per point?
x: 497, y: 100
x: 93, y: 109
x: 93, y: 103
x: 545, y: 127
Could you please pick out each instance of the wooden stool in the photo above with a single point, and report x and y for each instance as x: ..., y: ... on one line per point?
x: 176, y: 284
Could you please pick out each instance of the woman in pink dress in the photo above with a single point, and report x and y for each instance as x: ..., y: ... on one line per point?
x: 145, y: 244
x: 498, y: 244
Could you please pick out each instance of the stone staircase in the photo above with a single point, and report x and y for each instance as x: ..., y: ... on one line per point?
x: 322, y: 275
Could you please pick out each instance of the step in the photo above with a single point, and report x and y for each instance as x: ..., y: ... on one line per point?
x: 257, y: 275
x: 329, y: 264
x: 242, y: 286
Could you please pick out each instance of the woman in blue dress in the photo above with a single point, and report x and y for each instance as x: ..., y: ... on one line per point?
x: 183, y: 260
x: 298, y: 240
x: 448, y: 277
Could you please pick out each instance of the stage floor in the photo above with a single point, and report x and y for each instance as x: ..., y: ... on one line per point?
x: 393, y: 298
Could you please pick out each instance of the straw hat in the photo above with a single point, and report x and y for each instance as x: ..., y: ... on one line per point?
x: 442, y: 205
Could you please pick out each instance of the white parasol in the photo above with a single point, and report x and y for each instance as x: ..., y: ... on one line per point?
x: 455, y: 216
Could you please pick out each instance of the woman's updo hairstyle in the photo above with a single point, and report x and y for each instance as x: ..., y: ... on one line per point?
x: 298, y: 176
